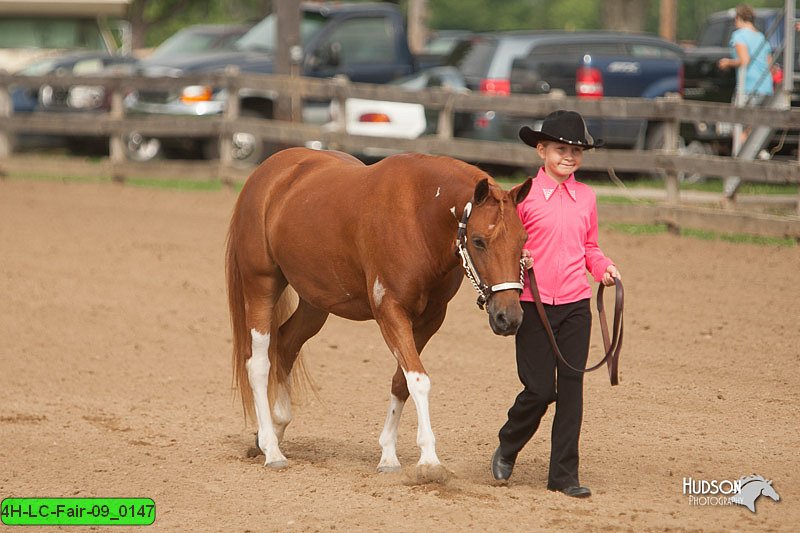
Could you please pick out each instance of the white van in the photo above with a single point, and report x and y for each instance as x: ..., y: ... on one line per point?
x: 36, y: 29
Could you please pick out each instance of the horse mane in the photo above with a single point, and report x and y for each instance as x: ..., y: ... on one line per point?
x: 755, y: 477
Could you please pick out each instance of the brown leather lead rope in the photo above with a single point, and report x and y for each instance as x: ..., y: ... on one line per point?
x: 612, y: 347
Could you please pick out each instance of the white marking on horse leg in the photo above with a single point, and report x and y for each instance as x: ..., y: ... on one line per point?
x: 378, y: 291
x: 388, y: 438
x: 258, y: 372
x: 419, y: 386
x: 282, y: 409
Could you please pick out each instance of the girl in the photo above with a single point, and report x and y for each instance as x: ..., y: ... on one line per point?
x: 560, y: 216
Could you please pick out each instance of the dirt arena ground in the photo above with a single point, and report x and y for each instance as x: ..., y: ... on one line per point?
x: 115, y: 381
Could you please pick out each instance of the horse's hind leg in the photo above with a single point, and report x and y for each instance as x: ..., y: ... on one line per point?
x: 388, y: 438
x: 260, y: 301
x: 304, y: 323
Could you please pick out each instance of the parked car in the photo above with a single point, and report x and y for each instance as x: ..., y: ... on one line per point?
x: 50, y: 98
x: 485, y: 61
x: 92, y: 99
x: 594, y: 65
x: 705, y: 81
x: 400, y: 120
x: 366, y: 42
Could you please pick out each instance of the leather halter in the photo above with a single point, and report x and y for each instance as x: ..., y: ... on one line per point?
x: 612, y: 347
x: 484, y: 290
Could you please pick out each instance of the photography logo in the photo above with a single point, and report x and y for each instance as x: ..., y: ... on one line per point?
x: 744, y: 491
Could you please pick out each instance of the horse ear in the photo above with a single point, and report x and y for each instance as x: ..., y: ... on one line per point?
x: 520, y: 192
x: 481, y: 191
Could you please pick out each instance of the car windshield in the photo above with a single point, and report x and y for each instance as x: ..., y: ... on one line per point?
x: 263, y: 37
x: 193, y: 42
x: 50, y: 33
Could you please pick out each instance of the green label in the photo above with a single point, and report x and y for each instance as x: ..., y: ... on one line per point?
x: 78, y: 511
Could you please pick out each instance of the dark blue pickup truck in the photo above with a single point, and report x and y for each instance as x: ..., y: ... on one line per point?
x: 366, y: 42
x: 596, y: 65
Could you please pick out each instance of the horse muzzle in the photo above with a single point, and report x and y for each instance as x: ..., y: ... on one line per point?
x: 504, y: 319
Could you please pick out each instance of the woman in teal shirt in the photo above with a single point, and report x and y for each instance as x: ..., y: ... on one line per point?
x: 753, y: 52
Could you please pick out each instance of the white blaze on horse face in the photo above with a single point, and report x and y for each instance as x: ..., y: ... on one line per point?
x: 388, y: 439
x: 378, y: 291
x: 438, y: 191
x: 419, y: 386
x: 258, y: 373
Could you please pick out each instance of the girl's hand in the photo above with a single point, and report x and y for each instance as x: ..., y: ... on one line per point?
x: 527, y: 260
x: 609, y: 275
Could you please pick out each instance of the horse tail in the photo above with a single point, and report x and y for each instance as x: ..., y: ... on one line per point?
x: 241, y: 336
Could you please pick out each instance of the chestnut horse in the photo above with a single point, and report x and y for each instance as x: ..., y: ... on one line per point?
x: 362, y: 242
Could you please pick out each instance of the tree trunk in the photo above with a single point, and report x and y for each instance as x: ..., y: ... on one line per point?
x: 625, y: 15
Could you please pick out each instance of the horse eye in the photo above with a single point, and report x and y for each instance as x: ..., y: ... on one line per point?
x: 479, y: 243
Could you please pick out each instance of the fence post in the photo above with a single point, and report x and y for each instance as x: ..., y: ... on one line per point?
x: 444, y: 127
x: 340, y: 92
x: 229, y: 119
x: 116, y: 148
x: 671, y: 145
x: 6, y: 112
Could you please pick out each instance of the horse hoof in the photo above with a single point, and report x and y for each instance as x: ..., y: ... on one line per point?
x: 277, y: 465
x: 424, y: 474
x: 387, y: 469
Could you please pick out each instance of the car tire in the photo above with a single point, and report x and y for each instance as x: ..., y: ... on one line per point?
x: 141, y: 148
x: 248, y: 148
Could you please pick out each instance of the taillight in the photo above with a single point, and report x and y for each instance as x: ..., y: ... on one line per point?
x: 374, y: 117
x: 589, y: 83
x: 496, y: 86
x: 681, y: 80
x: 196, y: 93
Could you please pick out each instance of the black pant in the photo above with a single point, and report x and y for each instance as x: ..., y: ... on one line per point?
x: 547, y: 380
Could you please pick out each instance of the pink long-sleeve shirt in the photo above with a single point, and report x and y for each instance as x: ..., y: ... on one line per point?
x: 561, y: 221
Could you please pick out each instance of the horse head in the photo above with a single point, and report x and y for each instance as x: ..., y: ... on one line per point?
x: 768, y: 490
x: 494, y: 239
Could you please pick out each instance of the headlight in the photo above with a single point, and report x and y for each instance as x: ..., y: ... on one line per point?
x: 196, y: 93
x: 86, y: 97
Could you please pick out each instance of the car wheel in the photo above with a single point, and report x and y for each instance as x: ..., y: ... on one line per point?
x: 655, y: 140
x: 247, y: 148
x: 140, y: 148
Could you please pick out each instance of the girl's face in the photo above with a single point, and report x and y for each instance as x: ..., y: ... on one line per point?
x: 560, y: 159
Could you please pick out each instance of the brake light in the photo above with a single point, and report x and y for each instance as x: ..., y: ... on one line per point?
x: 497, y: 86
x: 196, y: 93
x: 681, y: 80
x: 589, y: 83
x: 374, y: 117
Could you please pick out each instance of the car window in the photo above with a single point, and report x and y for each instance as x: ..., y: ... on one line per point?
x: 716, y: 33
x: 576, y: 51
x: 264, y: 35
x: 650, y: 50
x: 507, y: 52
x: 473, y: 57
x: 351, y: 35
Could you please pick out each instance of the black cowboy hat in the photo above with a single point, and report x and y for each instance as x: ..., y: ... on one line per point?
x: 561, y: 126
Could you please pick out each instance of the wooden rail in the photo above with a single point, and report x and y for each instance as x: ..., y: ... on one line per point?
x: 115, y: 124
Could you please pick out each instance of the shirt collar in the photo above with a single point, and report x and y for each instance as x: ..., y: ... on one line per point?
x: 548, y: 185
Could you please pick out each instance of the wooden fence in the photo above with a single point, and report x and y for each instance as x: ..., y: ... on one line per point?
x: 671, y: 111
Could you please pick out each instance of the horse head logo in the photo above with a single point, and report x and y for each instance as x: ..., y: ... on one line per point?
x: 751, y: 488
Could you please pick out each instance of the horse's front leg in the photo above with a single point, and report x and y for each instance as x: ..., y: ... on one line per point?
x: 396, y: 328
